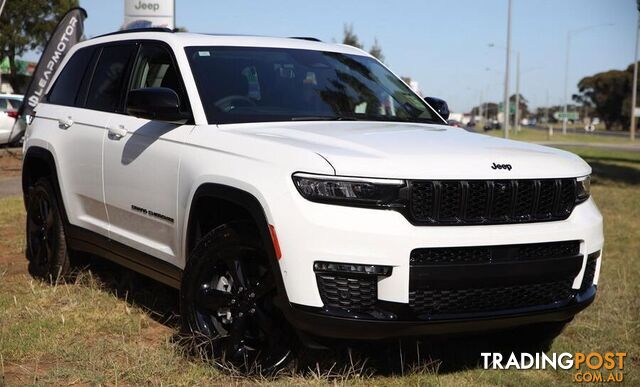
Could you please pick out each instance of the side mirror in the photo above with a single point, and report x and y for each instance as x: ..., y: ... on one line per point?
x: 156, y: 103
x: 439, y: 105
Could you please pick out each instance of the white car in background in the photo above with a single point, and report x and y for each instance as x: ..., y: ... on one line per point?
x: 9, y: 106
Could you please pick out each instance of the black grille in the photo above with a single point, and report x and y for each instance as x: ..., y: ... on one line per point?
x: 458, y: 301
x: 486, y: 280
x: 486, y: 254
x: 589, y: 273
x: 459, y: 202
x: 352, y: 293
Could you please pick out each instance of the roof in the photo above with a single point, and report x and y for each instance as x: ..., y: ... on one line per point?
x: 187, y: 39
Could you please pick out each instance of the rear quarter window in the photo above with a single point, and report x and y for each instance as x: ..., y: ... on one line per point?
x: 65, y: 89
x: 109, y: 77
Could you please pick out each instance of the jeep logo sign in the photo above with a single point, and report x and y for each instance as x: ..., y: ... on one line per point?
x: 501, y: 166
x: 148, y: 13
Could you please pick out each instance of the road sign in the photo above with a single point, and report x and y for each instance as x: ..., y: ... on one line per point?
x: 570, y: 116
x: 512, y: 107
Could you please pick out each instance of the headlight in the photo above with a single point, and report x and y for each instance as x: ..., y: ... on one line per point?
x: 350, y: 191
x: 583, y: 188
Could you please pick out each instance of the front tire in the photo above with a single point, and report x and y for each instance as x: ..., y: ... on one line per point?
x: 46, y: 242
x: 227, y: 301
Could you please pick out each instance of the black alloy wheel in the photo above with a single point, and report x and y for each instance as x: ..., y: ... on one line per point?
x: 46, y: 243
x: 227, y: 301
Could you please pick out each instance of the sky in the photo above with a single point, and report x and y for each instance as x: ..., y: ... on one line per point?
x: 444, y: 45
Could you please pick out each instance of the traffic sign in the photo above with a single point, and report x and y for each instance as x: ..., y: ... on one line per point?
x: 512, y: 107
x: 569, y: 115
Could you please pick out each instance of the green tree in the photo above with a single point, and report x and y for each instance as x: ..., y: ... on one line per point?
x: 489, y: 110
x: 376, y: 50
x: 26, y: 26
x: 609, y: 94
x: 350, y: 37
x: 524, y: 105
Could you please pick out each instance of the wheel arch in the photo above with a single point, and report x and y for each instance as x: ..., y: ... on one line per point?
x: 255, y: 211
x: 240, y: 199
x: 39, y: 162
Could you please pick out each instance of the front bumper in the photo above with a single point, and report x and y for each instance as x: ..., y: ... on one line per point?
x: 319, y: 322
x: 310, y: 232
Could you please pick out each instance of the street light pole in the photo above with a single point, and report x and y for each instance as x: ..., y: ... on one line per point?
x: 517, y: 123
x: 566, y: 84
x: 634, y: 92
x: 480, y: 109
x: 506, y: 74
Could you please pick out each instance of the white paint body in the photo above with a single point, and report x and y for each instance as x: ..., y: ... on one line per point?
x: 161, y: 167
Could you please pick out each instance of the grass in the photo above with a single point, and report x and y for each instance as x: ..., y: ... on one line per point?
x: 94, y: 332
x: 533, y: 135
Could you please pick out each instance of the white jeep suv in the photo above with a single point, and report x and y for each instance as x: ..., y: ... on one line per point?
x: 285, y: 184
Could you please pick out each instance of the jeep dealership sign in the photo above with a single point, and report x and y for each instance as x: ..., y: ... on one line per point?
x: 148, y: 13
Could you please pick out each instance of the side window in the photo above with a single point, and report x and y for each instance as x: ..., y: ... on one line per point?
x: 65, y: 89
x: 3, y: 104
x: 156, y: 68
x: 109, y: 78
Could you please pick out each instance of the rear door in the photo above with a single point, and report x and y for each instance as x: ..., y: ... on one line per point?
x: 141, y: 160
x: 76, y: 133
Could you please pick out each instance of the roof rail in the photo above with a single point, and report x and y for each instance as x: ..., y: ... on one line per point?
x: 132, y: 30
x: 306, y: 38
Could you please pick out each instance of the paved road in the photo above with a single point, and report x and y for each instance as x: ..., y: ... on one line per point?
x: 605, y: 133
x: 10, y: 186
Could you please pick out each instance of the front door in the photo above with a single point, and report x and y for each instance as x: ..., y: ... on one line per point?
x: 141, y: 162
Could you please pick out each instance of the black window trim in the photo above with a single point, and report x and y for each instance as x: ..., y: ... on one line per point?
x: 182, y: 93
x: 128, y: 77
x: 90, y: 64
x: 127, y: 72
x: 83, y: 90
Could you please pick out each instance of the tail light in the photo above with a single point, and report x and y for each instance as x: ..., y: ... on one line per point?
x: 12, y: 113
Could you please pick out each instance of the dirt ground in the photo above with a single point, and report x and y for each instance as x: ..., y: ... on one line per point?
x: 10, y: 162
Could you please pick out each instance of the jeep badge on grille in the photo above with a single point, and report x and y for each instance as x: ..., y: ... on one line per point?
x: 501, y: 166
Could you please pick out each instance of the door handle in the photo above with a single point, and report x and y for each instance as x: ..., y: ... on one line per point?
x: 65, y: 123
x: 116, y: 132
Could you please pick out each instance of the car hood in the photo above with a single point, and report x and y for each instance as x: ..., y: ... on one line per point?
x: 418, y: 151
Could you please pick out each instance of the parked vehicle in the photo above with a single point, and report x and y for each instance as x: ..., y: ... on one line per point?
x: 9, y: 106
x: 455, y: 123
x: 290, y: 185
x: 492, y: 125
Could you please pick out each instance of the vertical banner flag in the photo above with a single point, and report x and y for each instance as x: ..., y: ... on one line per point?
x: 68, y: 32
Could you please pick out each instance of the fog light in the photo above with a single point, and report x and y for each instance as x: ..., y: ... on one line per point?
x: 351, y: 268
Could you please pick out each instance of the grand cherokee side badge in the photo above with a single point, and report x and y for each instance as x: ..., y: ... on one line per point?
x: 501, y: 166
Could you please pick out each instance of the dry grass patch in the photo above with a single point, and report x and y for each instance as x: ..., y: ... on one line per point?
x: 91, y: 332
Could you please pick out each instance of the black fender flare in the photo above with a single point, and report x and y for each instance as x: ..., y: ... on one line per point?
x: 42, y: 155
x: 249, y: 202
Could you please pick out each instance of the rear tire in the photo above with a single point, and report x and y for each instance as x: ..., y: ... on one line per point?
x: 47, y: 250
x: 226, y: 301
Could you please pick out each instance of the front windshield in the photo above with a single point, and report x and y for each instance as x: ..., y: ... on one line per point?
x: 254, y: 84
